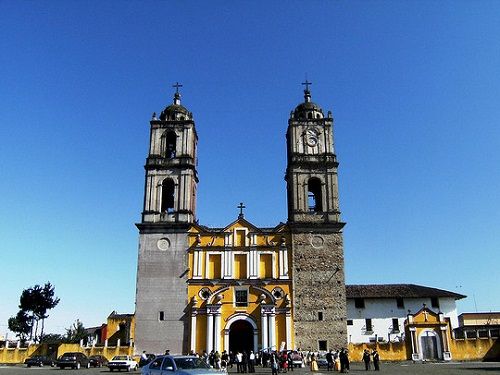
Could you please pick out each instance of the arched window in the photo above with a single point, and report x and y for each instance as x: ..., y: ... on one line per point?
x: 170, y: 145
x: 314, y: 199
x: 309, y: 115
x: 167, y: 195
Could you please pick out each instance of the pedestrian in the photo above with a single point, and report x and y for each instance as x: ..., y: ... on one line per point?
x: 251, y: 361
x: 376, y: 360
x: 167, y: 352
x: 244, y: 361
x: 274, y: 364
x: 343, y: 361
x: 223, y: 361
x: 366, y: 359
x: 329, y: 361
x: 239, y: 359
x: 290, y: 361
x: 314, y: 363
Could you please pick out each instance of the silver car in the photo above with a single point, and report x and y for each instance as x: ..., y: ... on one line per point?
x: 178, y: 365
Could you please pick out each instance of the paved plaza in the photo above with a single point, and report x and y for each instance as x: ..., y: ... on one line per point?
x: 453, y: 368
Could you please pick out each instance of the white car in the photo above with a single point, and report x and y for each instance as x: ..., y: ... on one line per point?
x: 122, y: 362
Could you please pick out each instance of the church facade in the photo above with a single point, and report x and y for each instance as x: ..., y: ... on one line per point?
x: 241, y: 287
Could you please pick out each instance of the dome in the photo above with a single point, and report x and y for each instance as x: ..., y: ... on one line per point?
x: 176, y: 111
x: 308, y: 109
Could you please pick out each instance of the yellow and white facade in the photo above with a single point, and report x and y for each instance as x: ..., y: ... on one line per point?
x: 239, y: 286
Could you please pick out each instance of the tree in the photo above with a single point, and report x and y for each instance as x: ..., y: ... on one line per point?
x: 51, y: 338
x: 34, y: 304
x: 47, y: 301
x: 76, y: 333
x: 20, y: 325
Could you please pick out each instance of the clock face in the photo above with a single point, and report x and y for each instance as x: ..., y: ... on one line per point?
x: 311, y: 137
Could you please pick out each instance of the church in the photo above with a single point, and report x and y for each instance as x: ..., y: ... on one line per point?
x: 240, y: 287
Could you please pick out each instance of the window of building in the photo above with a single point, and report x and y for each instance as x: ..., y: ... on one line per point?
x: 349, y: 322
x: 400, y: 303
x: 240, y: 266
x: 170, y: 145
x: 167, y: 195
x: 483, y: 334
x: 395, y: 325
x: 322, y: 345
x: 359, y: 303
x: 369, y: 326
x: 266, y: 266
x: 435, y: 302
x: 240, y: 238
x: 161, y: 315
x: 241, y: 297
x: 320, y: 315
x: 214, y: 266
x: 314, y: 199
x: 495, y: 333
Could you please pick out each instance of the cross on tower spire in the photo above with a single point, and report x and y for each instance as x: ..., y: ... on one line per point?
x: 307, y: 83
x: 241, y: 207
x: 177, y: 85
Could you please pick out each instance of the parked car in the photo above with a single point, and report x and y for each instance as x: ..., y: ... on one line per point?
x: 123, y: 362
x: 297, y: 358
x: 39, y: 360
x: 148, y: 359
x: 178, y: 365
x: 97, y: 361
x: 74, y: 360
x: 322, y: 362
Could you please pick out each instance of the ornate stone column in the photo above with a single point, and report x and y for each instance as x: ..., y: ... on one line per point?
x: 288, y: 325
x: 272, y: 330
x: 210, y: 331
x: 217, y: 331
x: 193, y: 330
x: 263, y: 329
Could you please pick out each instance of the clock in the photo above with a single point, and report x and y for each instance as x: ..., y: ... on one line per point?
x: 311, y: 137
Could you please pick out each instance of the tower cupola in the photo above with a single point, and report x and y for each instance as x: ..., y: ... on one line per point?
x: 176, y: 111
x: 308, y: 109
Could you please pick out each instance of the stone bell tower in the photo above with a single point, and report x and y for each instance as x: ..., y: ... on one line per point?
x: 319, y: 299
x: 169, y: 210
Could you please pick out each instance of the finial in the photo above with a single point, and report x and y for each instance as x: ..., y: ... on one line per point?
x: 307, y: 92
x: 177, y: 95
x: 241, y: 207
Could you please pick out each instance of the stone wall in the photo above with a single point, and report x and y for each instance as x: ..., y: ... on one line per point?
x: 318, y: 287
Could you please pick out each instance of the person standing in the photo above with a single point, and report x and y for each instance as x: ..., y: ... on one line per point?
x: 329, y: 361
x: 251, y: 361
x: 366, y: 359
x: 376, y: 360
x: 274, y: 364
x: 239, y: 362
x: 314, y: 363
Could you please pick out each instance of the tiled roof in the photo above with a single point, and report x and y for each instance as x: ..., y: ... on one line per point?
x: 397, y: 290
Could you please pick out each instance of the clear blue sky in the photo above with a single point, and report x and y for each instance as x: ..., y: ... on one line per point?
x: 414, y: 87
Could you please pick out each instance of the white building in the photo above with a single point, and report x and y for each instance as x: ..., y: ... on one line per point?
x: 378, y: 312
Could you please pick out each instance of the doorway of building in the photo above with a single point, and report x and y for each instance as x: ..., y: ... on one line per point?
x: 429, y: 346
x: 241, y: 336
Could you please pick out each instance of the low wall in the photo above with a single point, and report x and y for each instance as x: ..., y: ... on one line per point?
x: 470, y: 350
x: 18, y: 355
x: 393, y: 351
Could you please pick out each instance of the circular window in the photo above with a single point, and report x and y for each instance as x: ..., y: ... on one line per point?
x: 205, y: 293
x: 163, y: 244
x: 278, y: 293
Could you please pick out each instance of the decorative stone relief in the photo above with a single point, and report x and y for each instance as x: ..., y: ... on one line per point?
x: 163, y: 244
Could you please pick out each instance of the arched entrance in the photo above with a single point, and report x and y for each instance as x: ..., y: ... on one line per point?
x: 431, y: 345
x: 241, y: 336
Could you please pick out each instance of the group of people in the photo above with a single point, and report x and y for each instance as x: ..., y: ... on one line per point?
x: 367, y: 358
x: 282, y: 361
x: 244, y: 361
x: 335, y: 361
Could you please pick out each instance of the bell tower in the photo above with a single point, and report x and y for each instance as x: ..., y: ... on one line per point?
x: 168, y: 212
x: 171, y: 176
x: 316, y: 229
